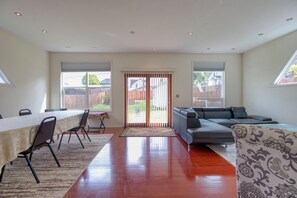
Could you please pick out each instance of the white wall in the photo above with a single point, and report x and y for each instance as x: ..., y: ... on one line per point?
x: 261, y: 66
x: 180, y: 64
x: 27, y: 67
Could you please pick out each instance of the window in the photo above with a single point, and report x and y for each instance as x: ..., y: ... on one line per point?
x: 86, y: 88
x: 208, y: 84
x: 3, y: 79
x: 288, y: 76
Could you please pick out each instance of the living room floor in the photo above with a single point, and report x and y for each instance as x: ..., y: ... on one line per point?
x: 155, y: 167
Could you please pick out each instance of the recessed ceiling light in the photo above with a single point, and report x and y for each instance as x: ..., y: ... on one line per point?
x: 44, y: 31
x: 260, y: 34
x: 289, y: 19
x: 18, y: 13
x: 190, y: 33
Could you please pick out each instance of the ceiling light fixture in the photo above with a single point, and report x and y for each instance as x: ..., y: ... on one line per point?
x: 18, y: 13
x: 190, y: 33
x: 260, y: 34
x: 289, y: 19
x: 44, y: 31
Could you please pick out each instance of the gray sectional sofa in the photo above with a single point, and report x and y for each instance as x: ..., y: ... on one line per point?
x: 212, y: 125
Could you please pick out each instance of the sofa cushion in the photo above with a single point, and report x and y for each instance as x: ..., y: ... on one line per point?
x: 248, y: 121
x: 211, y: 114
x: 239, y: 112
x: 210, y: 130
x: 225, y: 122
x: 199, y: 112
x: 188, y: 113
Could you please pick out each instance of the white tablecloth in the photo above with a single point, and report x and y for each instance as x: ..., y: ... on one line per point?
x: 17, y: 133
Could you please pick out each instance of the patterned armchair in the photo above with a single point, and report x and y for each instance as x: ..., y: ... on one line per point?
x: 266, y: 163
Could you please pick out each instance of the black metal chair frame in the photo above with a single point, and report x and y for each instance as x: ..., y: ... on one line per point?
x: 42, y: 138
x: 23, y: 112
x: 1, y: 116
x: 82, y: 125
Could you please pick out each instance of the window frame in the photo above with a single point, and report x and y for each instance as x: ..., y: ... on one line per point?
x: 4, y: 78
x: 87, y: 87
x: 291, y: 62
x: 212, y: 68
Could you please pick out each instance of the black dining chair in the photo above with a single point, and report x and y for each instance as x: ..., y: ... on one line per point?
x: 42, y: 138
x: 23, y: 112
x: 1, y: 116
x: 81, y: 127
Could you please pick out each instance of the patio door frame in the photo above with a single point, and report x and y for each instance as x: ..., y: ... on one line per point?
x: 148, y: 76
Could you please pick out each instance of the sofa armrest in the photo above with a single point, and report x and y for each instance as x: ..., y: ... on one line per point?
x: 261, y: 118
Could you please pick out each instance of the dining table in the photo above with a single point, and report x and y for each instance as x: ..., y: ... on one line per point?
x: 17, y: 133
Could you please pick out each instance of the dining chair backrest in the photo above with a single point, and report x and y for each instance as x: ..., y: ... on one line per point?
x: 1, y: 116
x: 23, y: 112
x: 84, y: 118
x: 45, y: 131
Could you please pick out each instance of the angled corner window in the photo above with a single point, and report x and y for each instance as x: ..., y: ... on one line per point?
x: 208, y: 84
x: 288, y: 76
x: 3, y: 79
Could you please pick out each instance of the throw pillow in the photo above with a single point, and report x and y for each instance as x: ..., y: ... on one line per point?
x: 239, y: 112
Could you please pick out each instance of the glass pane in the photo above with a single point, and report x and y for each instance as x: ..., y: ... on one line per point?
x: 158, y: 100
x: 74, y: 79
x: 75, y: 98
x: 208, y: 89
x: 99, y: 78
x: 290, y: 76
x: 136, y: 100
x: 99, y: 98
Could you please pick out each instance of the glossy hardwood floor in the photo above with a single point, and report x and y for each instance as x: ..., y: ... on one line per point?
x: 155, y: 167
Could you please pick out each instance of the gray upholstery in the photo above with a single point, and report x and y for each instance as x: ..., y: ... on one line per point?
x: 225, y: 122
x: 239, y: 112
x: 215, y: 128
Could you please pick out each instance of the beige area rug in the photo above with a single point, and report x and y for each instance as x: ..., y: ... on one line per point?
x: 18, y: 181
x: 228, y: 153
x: 148, y: 132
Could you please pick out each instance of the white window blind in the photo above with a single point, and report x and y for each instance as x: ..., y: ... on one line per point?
x: 209, y: 66
x: 85, y: 67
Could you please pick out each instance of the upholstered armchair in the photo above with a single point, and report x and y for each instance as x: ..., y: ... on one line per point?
x: 266, y: 161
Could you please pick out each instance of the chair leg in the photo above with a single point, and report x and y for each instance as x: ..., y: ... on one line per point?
x: 49, y: 146
x: 84, y: 131
x: 79, y: 139
x: 32, y: 169
x: 30, y: 158
x: 69, y: 136
x: 2, y: 173
x: 61, y: 140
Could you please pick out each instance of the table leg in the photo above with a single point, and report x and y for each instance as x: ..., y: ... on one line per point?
x: 2, y: 172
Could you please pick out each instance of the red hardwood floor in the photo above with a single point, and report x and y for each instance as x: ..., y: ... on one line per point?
x: 154, y: 167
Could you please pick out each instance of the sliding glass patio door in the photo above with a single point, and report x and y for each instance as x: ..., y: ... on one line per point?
x: 147, y: 100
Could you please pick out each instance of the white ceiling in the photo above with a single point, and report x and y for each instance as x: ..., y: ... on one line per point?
x: 218, y: 26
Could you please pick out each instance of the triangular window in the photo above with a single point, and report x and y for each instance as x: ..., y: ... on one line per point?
x: 288, y: 76
x: 3, y: 79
